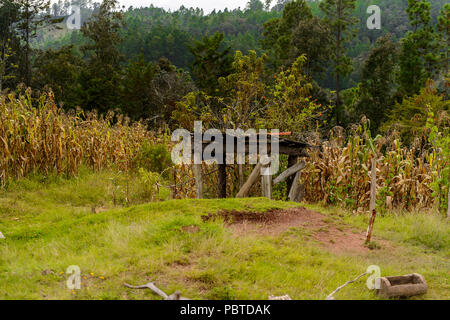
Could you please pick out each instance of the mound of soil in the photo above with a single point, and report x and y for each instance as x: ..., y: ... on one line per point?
x: 336, y: 237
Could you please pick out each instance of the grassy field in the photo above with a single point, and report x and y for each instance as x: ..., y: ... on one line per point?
x: 49, y: 226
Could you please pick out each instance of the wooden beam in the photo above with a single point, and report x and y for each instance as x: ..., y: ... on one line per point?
x: 296, y: 188
x: 289, y: 172
x: 245, y: 190
x: 293, y: 151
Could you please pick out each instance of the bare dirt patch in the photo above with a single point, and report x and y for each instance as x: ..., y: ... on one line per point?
x: 336, y: 237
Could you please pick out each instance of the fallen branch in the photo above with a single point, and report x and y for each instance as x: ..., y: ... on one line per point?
x: 286, y: 297
x: 330, y: 296
x: 175, y: 296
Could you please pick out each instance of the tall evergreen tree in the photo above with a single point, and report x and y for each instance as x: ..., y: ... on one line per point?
x: 211, y: 62
x: 443, y: 27
x: 100, y: 80
x: 340, y: 19
x: 32, y: 15
x: 419, y: 58
x: 8, y: 41
x: 377, y: 85
x: 312, y: 38
x: 278, y: 33
x: 58, y: 69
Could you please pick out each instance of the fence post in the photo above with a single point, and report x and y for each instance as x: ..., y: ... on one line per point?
x: 266, y: 184
x: 373, y: 185
x: 373, y: 194
x: 198, y: 180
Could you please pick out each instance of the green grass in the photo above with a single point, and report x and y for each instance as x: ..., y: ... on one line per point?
x: 49, y: 226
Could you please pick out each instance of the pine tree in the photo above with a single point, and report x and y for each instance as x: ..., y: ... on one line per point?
x: 377, y: 85
x: 8, y: 41
x: 443, y: 27
x: 419, y: 58
x: 278, y: 33
x: 100, y: 80
x: 31, y: 17
x: 211, y: 63
x: 338, y: 16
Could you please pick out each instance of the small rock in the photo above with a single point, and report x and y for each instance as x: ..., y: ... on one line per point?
x: 2, y: 236
x: 47, y: 272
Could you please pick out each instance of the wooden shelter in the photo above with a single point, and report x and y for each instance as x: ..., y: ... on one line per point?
x: 294, y: 150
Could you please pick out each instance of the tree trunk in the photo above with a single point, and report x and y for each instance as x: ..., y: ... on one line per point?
x: 338, y: 100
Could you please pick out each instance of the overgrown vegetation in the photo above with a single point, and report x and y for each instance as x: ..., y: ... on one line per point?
x: 49, y: 226
x: 85, y: 124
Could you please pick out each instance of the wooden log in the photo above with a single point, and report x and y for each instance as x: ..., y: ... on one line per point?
x: 301, y: 193
x: 296, y: 188
x: 245, y: 190
x: 289, y: 172
x: 292, y: 160
x: 402, y: 286
x: 198, y: 180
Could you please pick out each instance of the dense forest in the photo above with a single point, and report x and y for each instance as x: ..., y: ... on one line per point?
x: 143, y: 61
x: 157, y: 33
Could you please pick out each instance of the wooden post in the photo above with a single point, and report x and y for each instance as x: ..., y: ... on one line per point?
x: 370, y: 228
x: 222, y: 180
x: 241, y: 175
x: 292, y: 160
x: 296, y: 188
x: 198, y: 180
x: 266, y: 184
x: 373, y: 194
x: 373, y: 185
x: 245, y: 190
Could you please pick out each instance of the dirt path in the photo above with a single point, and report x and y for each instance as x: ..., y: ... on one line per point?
x: 336, y: 237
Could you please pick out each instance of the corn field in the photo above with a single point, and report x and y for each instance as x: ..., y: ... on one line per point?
x: 340, y: 173
x: 45, y: 139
